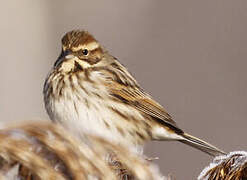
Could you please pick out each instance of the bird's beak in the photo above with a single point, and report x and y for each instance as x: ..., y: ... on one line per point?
x: 65, y: 55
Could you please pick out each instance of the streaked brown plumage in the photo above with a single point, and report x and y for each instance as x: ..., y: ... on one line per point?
x: 88, y: 90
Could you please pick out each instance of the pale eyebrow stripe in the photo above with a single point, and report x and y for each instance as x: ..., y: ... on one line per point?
x: 90, y: 46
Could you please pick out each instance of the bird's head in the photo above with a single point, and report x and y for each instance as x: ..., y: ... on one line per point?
x: 80, y: 50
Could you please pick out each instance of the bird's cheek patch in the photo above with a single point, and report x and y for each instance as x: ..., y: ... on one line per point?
x: 67, y: 66
x: 84, y: 64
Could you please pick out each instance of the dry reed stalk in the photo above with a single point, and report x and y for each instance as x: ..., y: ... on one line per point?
x: 47, y: 151
x: 232, y: 166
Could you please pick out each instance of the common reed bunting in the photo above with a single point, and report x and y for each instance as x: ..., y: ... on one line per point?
x: 88, y: 90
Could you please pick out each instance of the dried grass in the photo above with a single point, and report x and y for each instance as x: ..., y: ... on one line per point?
x: 229, y: 167
x: 47, y: 151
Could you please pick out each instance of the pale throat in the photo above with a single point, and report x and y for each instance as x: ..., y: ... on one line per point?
x: 69, y: 64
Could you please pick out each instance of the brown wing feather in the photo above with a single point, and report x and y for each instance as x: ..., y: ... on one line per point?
x: 125, y: 88
x: 144, y: 103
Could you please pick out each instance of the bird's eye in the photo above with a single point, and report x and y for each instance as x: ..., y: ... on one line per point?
x: 85, y: 52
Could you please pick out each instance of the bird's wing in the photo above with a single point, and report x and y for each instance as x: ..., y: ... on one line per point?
x: 137, y: 98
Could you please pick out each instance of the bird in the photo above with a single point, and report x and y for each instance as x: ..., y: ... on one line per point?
x: 89, y: 90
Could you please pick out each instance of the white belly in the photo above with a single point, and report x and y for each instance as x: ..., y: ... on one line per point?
x: 80, y: 118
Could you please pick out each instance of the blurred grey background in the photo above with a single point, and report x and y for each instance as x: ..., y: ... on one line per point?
x: 190, y: 55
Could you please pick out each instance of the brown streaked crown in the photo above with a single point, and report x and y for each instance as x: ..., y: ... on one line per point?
x: 77, y: 38
x: 78, y: 42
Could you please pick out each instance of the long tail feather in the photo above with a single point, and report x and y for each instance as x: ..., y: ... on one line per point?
x: 201, y: 145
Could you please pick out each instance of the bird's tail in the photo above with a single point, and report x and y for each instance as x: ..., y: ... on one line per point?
x: 201, y: 145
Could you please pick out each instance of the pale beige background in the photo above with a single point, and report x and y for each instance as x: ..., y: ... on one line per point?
x: 190, y: 55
